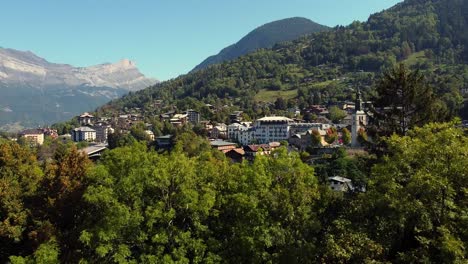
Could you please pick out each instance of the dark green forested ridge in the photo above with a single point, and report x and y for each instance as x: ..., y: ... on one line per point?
x: 265, y: 37
x: 429, y: 36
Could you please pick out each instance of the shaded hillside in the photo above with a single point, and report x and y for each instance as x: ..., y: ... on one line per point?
x: 326, y: 66
x: 265, y: 37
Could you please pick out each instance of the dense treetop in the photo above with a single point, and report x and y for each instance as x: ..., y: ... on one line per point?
x: 140, y: 206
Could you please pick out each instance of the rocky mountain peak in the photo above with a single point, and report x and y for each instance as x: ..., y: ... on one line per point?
x: 26, y: 68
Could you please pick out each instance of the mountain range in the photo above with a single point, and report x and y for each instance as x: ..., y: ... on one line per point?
x: 36, y: 92
x: 265, y: 36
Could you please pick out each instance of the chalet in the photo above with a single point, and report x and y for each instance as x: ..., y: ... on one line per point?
x: 340, y: 184
x: 251, y: 151
x: 235, y: 117
x: 179, y: 119
x: 206, y: 125
x: 236, y: 154
x: 165, y: 142
x: 223, y: 146
x: 219, y: 131
x: 85, y: 119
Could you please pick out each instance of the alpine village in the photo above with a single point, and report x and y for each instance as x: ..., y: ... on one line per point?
x: 339, y: 145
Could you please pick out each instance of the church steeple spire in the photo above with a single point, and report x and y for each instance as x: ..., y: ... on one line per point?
x: 358, y: 104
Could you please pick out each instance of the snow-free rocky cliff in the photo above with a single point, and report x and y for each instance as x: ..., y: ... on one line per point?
x: 35, y: 92
x: 18, y: 67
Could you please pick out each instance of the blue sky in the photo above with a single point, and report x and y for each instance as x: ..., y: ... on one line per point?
x: 165, y: 38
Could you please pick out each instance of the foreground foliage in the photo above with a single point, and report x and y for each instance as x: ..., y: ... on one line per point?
x: 137, y: 205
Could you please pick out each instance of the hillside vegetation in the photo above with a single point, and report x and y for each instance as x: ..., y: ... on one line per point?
x: 429, y: 35
x: 265, y: 37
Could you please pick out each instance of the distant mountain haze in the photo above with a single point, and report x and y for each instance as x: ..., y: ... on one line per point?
x: 19, y: 67
x: 36, y: 92
x: 265, y: 37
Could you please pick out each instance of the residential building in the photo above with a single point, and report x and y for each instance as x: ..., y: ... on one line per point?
x: 83, y: 134
x: 179, y: 119
x: 219, y: 131
x: 340, y: 184
x: 236, y: 155
x: 302, y: 140
x: 102, y: 132
x: 33, y: 136
x: 224, y: 146
x: 206, y: 125
x: 165, y: 142
x: 241, y: 132
x: 85, y: 119
x: 297, y: 128
x: 251, y: 151
x: 193, y: 116
x: 235, y: 117
x: 272, y: 128
x: 50, y: 132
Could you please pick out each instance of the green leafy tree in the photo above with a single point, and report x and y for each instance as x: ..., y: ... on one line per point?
x: 138, y: 132
x: 20, y: 176
x: 147, y: 208
x: 316, y: 138
x: 421, y: 215
x: 346, y: 136
x: 331, y: 136
x: 336, y: 114
x: 119, y: 139
x: 404, y: 100
x: 362, y: 136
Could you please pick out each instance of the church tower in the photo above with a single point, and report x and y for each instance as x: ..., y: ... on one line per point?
x: 359, y: 119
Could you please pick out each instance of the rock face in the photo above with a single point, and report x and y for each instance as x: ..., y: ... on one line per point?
x: 18, y: 67
x: 35, y: 92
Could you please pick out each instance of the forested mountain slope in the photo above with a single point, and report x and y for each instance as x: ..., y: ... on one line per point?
x: 265, y: 37
x: 321, y: 68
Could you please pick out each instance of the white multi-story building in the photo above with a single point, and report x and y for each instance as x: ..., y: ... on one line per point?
x: 271, y: 129
x: 241, y: 132
x: 83, y: 134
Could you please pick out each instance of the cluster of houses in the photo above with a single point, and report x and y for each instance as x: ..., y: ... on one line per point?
x: 239, y: 140
x: 91, y: 129
x: 261, y: 131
